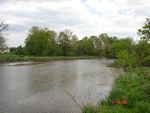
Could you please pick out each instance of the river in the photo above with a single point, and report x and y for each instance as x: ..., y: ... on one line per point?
x: 54, y: 86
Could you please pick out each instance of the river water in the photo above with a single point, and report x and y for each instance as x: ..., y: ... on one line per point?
x: 55, y: 86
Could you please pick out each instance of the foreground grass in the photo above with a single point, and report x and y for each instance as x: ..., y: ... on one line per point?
x: 14, y: 58
x: 133, y: 87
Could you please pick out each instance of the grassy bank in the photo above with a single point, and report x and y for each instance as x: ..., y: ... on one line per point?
x: 16, y: 58
x: 134, y: 87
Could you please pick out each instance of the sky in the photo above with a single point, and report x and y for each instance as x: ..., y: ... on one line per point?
x: 120, y: 18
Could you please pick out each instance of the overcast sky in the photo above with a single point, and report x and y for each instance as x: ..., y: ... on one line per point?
x: 84, y: 17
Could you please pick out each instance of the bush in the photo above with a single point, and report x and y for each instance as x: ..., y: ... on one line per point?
x: 126, y: 60
x: 142, y: 107
x: 89, y: 109
x: 146, y: 61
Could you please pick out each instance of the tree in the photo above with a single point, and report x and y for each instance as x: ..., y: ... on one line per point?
x: 20, y: 50
x: 106, y: 43
x: 2, y: 42
x: 143, y: 49
x: 17, y: 50
x: 52, y: 43
x: 3, y: 27
x: 74, y: 45
x: 64, y: 41
x: 38, y: 41
x: 126, y: 60
x: 85, y: 47
x: 144, y: 32
x: 97, y: 45
x: 120, y: 45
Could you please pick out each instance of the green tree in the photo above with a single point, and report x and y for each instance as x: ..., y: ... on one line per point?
x: 143, y: 51
x: 107, y: 42
x: 64, y: 42
x: 95, y: 45
x: 20, y: 50
x: 37, y: 42
x: 120, y: 45
x: 126, y: 60
x: 52, y: 43
x: 85, y: 47
x: 2, y: 42
x: 144, y: 32
x: 74, y: 45
x: 143, y: 48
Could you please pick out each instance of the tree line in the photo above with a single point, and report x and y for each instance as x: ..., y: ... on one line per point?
x: 46, y: 42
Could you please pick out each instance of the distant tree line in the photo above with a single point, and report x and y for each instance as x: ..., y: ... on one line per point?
x: 45, y: 42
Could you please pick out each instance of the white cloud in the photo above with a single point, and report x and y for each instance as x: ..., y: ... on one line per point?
x: 85, y: 17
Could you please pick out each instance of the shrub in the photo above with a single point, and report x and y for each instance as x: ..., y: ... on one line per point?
x: 89, y: 109
x: 146, y: 61
x: 126, y: 60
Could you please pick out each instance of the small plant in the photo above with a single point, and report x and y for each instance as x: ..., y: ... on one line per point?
x: 89, y: 109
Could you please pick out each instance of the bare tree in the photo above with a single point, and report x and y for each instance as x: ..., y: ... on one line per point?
x: 3, y: 26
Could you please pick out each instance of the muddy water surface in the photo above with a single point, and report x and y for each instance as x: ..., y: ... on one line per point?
x: 53, y: 87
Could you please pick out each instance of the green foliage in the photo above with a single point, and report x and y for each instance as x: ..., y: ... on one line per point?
x: 89, y: 109
x: 143, y: 48
x: 85, y: 47
x: 112, y: 109
x: 126, y: 60
x: 2, y: 42
x: 142, y: 107
x: 146, y: 61
x: 19, y: 50
x: 45, y: 42
x: 107, y: 44
x: 120, y: 45
x: 145, y: 31
x: 37, y: 42
x: 133, y: 87
x: 64, y: 42
x: 8, y: 57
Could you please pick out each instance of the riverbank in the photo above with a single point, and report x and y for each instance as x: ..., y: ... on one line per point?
x: 130, y: 94
x: 18, y: 58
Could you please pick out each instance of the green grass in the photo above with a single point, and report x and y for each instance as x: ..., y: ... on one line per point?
x: 8, y: 57
x: 133, y: 87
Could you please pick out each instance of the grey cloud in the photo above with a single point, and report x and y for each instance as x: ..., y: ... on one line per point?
x: 61, y: 15
x: 7, y: 1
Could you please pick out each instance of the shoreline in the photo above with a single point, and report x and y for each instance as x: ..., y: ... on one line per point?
x: 16, y: 58
x: 131, y: 88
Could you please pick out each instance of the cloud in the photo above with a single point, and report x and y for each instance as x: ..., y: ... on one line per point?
x: 85, y: 17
